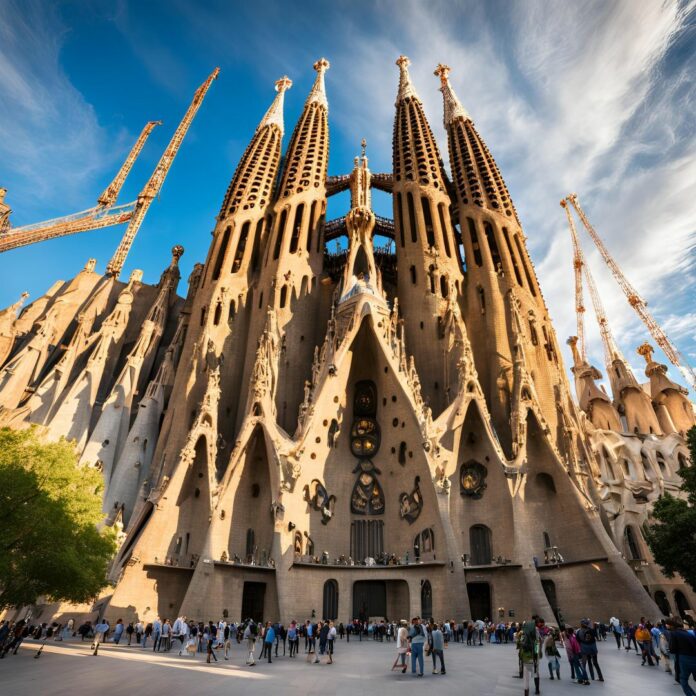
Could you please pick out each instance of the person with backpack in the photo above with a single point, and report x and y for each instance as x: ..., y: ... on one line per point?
x: 573, y: 651
x: 528, y: 647
x: 682, y: 646
x: 551, y: 654
x: 587, y: 638
x: 417, y: 640
x: 268, y: 640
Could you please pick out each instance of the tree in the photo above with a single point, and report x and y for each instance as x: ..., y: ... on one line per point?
x: 50, y: 509
x: 671, y: 530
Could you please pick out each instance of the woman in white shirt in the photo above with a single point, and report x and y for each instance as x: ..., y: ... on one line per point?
x: 401, y: 647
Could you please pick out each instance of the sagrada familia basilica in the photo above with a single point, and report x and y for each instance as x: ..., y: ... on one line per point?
x: 383, y: 431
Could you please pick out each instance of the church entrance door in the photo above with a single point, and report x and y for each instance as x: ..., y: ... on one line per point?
x: 252, y: 601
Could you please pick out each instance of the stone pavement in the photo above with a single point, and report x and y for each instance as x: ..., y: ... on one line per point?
x: 360, y: 668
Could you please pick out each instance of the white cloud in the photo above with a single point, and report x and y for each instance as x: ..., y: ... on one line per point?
x: 47, y: 127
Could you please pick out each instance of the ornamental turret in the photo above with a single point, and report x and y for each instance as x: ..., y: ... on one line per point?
x: 429, y: 268
x: 497, y: 262
x: 294, y: 251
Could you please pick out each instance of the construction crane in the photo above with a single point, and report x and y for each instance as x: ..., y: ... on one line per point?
x: 578, y: 264
x: 104, y: 214
x: 611, y: 349
x: 635, y: 300
x: 154, y: 185
x: 110, y: 195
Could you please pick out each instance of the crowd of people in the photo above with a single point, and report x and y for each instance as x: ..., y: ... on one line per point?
x: 667, y: 643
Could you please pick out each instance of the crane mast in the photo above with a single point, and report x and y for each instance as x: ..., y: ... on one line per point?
x: 578, y: 263
x: 110, y: 194
x: 154, y: 185
x: 635, y: 300
x: 611, y: 349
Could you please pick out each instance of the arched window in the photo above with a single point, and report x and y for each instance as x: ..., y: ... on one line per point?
x: 250, y: 544
x: 478, y: 260
x: 412, y: 217
x: 609, y: 465
x: 546, y: 483
x: 662, y: 602
x: 279, y: 234
x: 683, y: 461
x: 444, y: 287
x: 241, y: 246
x: 428, y: 218
x: 221, y: 253
x: 283, y: 296
x: 218, y: 313
x: 493, y: 246
x: 506, y: 236
x: 399, y: 222
x: 413, y: 274
x: 682, y: 603
x: 296, y: 229
x: 646, y: 462
x: 426, y: 600
x: 632, y: 545
x: 443, y: 228
x: 547, y: 540
x: 480, y: 545
x: 330, y: 609
x: 431, y: 278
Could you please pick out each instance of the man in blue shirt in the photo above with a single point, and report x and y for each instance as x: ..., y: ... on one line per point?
x: 268, y: 640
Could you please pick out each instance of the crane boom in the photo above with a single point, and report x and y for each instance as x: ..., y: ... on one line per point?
x: 578, y: 263
x: 154, y: 185
x: 636, y: 301
x: 110, y: 194
x: 611, y: 349
x: 92, y: 219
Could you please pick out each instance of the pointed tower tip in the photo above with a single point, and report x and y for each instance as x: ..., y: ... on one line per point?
x: 177, y: 253
x: 318, y: 92
x: 274, y: 115
x: 406, y: 88
x: 453, y: 107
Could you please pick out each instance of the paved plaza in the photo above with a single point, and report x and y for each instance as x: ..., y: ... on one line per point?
x: 359, y: 668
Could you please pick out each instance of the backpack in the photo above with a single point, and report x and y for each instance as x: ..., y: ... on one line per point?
x: 253, y: 630
x: 586, y: 636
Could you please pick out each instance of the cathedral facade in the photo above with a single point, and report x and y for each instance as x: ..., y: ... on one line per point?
x: 384, y: 431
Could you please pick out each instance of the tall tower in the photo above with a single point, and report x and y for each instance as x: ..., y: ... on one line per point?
x: 427, y: 254
x: 220, y: 312
x: 293, y: 256
x: 498, y: 270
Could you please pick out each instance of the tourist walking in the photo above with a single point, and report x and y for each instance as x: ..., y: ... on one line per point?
x: 573, y: 651
x: 587, y: 638
x: 330, y: 641
x: 101, y: 630
x: 615, y: 626
x: 401, y: 647
x: 682, y: 645
x: 118, y: 631
x: 268, y: 640
x: 551, y: 654
x: 528, y: 648
x: 417, y: 639
x: 249, y: 635
x: 437, y: 648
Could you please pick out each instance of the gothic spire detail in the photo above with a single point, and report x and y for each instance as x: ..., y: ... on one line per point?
x: 318, y: 91
x: 274, y: 115
x: 453, y: 107
x: 406, y: 88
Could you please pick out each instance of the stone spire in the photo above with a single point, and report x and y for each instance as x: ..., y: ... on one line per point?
x: 453, y: 107
x: 406, y: 88
x: 274, y: 115
x: 252, y: 183
x: 318, y: 91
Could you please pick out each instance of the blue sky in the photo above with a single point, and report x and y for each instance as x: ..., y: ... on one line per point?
x: 593, y: 97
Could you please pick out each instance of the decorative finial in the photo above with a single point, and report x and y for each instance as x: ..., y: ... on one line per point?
x: 274, y: 115
x: 318, y: 91
x: 177, y: 253
x: 453, y: 107
x: 406, y: 89
x: 90, y: 266
x: 646, y: 350
x: 363, y: 145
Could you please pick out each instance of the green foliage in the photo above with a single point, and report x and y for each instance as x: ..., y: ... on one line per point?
x: 50, y: 545
x: 671, y: 532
